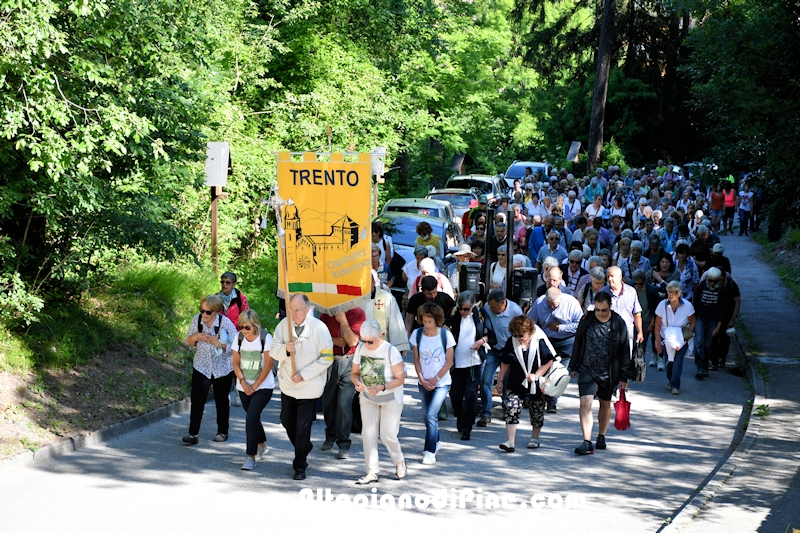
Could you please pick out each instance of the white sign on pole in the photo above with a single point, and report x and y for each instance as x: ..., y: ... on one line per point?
x: 218, y: 157
x: 378, y: 157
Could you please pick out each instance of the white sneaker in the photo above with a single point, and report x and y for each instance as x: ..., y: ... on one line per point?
x: 653, y: 361
x: 438, y: 447
x: 262, y: 451
x: 428, y: 458
x: 236, y: 401
x: 249, y: 464
x: 661, y: 364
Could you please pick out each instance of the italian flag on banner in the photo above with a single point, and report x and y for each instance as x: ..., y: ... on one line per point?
x: 326, y: 221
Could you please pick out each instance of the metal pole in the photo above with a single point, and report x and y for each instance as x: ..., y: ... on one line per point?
x: 277, y: 203
x: 214, y: 217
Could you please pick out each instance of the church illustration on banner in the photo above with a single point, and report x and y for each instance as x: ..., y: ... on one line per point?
x: 303, y: 249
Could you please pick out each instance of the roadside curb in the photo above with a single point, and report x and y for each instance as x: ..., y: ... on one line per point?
x: 694, y: 506
x: 79, y: 442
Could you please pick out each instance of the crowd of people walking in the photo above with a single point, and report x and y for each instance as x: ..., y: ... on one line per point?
x: 630, y: 262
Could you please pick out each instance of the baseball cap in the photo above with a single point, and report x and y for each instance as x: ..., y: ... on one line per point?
x: 718, y: 248
x: 482, y: 199
x: 606, y: 214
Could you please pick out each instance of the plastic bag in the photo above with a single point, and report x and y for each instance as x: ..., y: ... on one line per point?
x: 673, y: 338
x: 622, y: 412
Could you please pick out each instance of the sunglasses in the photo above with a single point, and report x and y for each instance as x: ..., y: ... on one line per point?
x: 571, y: 262
x: 226, y: 282
x: 368, y: 343
x: 482, y: 228
x: 519, y: 336
x: 247, y: 328
x: 465, y: 309
x: 206, y: 312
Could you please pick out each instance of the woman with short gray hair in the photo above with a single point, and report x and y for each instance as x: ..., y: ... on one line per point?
x: 466, y: 323
x: 378, y: 373
x: 636, y: 261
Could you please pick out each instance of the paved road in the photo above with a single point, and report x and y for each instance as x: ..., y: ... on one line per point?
x: 763, y: 492
x: 147, y: 480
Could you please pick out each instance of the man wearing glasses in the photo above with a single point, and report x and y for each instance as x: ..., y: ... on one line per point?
x: 312, y: 350
x: 572, y: 272
x: 551, y: 249
x: 498, y: 312
x: 600, y: 361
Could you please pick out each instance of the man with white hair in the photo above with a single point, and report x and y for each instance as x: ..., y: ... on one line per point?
x: 711, y: 302
x: 572, y: 206
x: 551, y: 249
x: 553, y: 279
x: 558, y: 314
x: 625, y: 302
x: 428, y: 268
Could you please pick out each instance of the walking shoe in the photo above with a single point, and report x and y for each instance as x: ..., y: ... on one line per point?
x: 699, y: 375
x: 221, y: 437
x: 249, y: 464
x: 661, y: 364
x: 443, y: 412
x: 327, y: 445
x: 366, y: 480
x: 507, y: 446
x: 551, y: 408
x: 533, y: 444
x: 428, y: 458
x: 191, y: 439
x: 653, y: 361
x: 705, y: 373
x: 262, y: 451
x: 585, y: 449
x: 484, y: 421
x: 236, y: 401
x: 343, y: 454
x: 299, y: 474
x: 712, y: 367
x: 675, y: 391
x: 465, y: 436
x: 601, y: 442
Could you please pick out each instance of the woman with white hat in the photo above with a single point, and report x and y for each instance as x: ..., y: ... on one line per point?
x: 464, y: 254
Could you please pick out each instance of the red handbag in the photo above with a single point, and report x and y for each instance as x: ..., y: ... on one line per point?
x: 622, y: 408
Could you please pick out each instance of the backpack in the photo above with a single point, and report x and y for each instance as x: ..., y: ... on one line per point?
x: 263, y: 337
x: 216, y: 328
x: 442, y: 335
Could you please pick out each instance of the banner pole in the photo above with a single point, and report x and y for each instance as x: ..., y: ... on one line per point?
x: 277, y: 202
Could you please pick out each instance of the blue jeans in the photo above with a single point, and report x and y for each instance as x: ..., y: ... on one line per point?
x: 431, y: 402
x: 702, y: 342
x: 675, y: 369
x: 487, y: 381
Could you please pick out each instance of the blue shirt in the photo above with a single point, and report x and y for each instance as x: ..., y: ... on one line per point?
x: 567, y: 315
x: 626, y: 304
x: 499, y: 322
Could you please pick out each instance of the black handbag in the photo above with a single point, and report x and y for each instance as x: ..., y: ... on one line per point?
x: 639, y: 370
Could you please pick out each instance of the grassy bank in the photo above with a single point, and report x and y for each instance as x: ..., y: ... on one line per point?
x: 116, y: 352
x: 785, y: 256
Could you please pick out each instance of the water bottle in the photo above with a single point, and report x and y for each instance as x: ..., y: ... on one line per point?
x: 223, y: 339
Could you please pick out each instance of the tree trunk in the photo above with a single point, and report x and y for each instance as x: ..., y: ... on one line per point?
x: 604, y: 52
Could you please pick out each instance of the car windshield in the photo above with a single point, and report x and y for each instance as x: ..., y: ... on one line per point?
x: 456, y: 200
x: 414, y: 209
x: 518, y: 171
x: 483, y: 186
x: 403, y: 231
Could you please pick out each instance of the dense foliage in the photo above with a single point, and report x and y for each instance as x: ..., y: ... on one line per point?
x: 107, y: 105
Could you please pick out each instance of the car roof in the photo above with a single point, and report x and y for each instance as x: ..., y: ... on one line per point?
x: 414, y: 201
x: 473, y: 177
x: 452, y: 190
x: 391, y: 215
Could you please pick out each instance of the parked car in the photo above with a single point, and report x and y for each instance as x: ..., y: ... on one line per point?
x: 423, y: 206
x: 402, y: 228
x: 517, y: 170
x: 492, y: 186
x: 459, y: 198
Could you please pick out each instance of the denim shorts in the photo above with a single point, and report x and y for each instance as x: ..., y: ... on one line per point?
x: 716, y: 212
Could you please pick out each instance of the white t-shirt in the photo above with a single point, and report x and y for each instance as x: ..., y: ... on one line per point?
x: 679, y: 318
x: 248, y: 352
x: 432, y: 356
x: 592, y: 211
x: 465, y: 356
x: 744, y: 200
x: 498, y: 273
x: 386, y: 356
x: 412, y: 272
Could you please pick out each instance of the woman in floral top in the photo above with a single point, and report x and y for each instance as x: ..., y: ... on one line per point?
x: 211, y: 333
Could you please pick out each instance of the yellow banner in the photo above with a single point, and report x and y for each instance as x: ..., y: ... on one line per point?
x: 326, y: 221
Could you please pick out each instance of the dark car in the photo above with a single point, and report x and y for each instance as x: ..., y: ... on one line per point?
x: 492, y: 186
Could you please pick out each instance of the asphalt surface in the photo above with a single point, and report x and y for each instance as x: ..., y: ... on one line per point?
x: 672, y: 470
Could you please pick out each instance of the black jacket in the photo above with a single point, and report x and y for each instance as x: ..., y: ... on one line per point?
x: 619, y: 358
